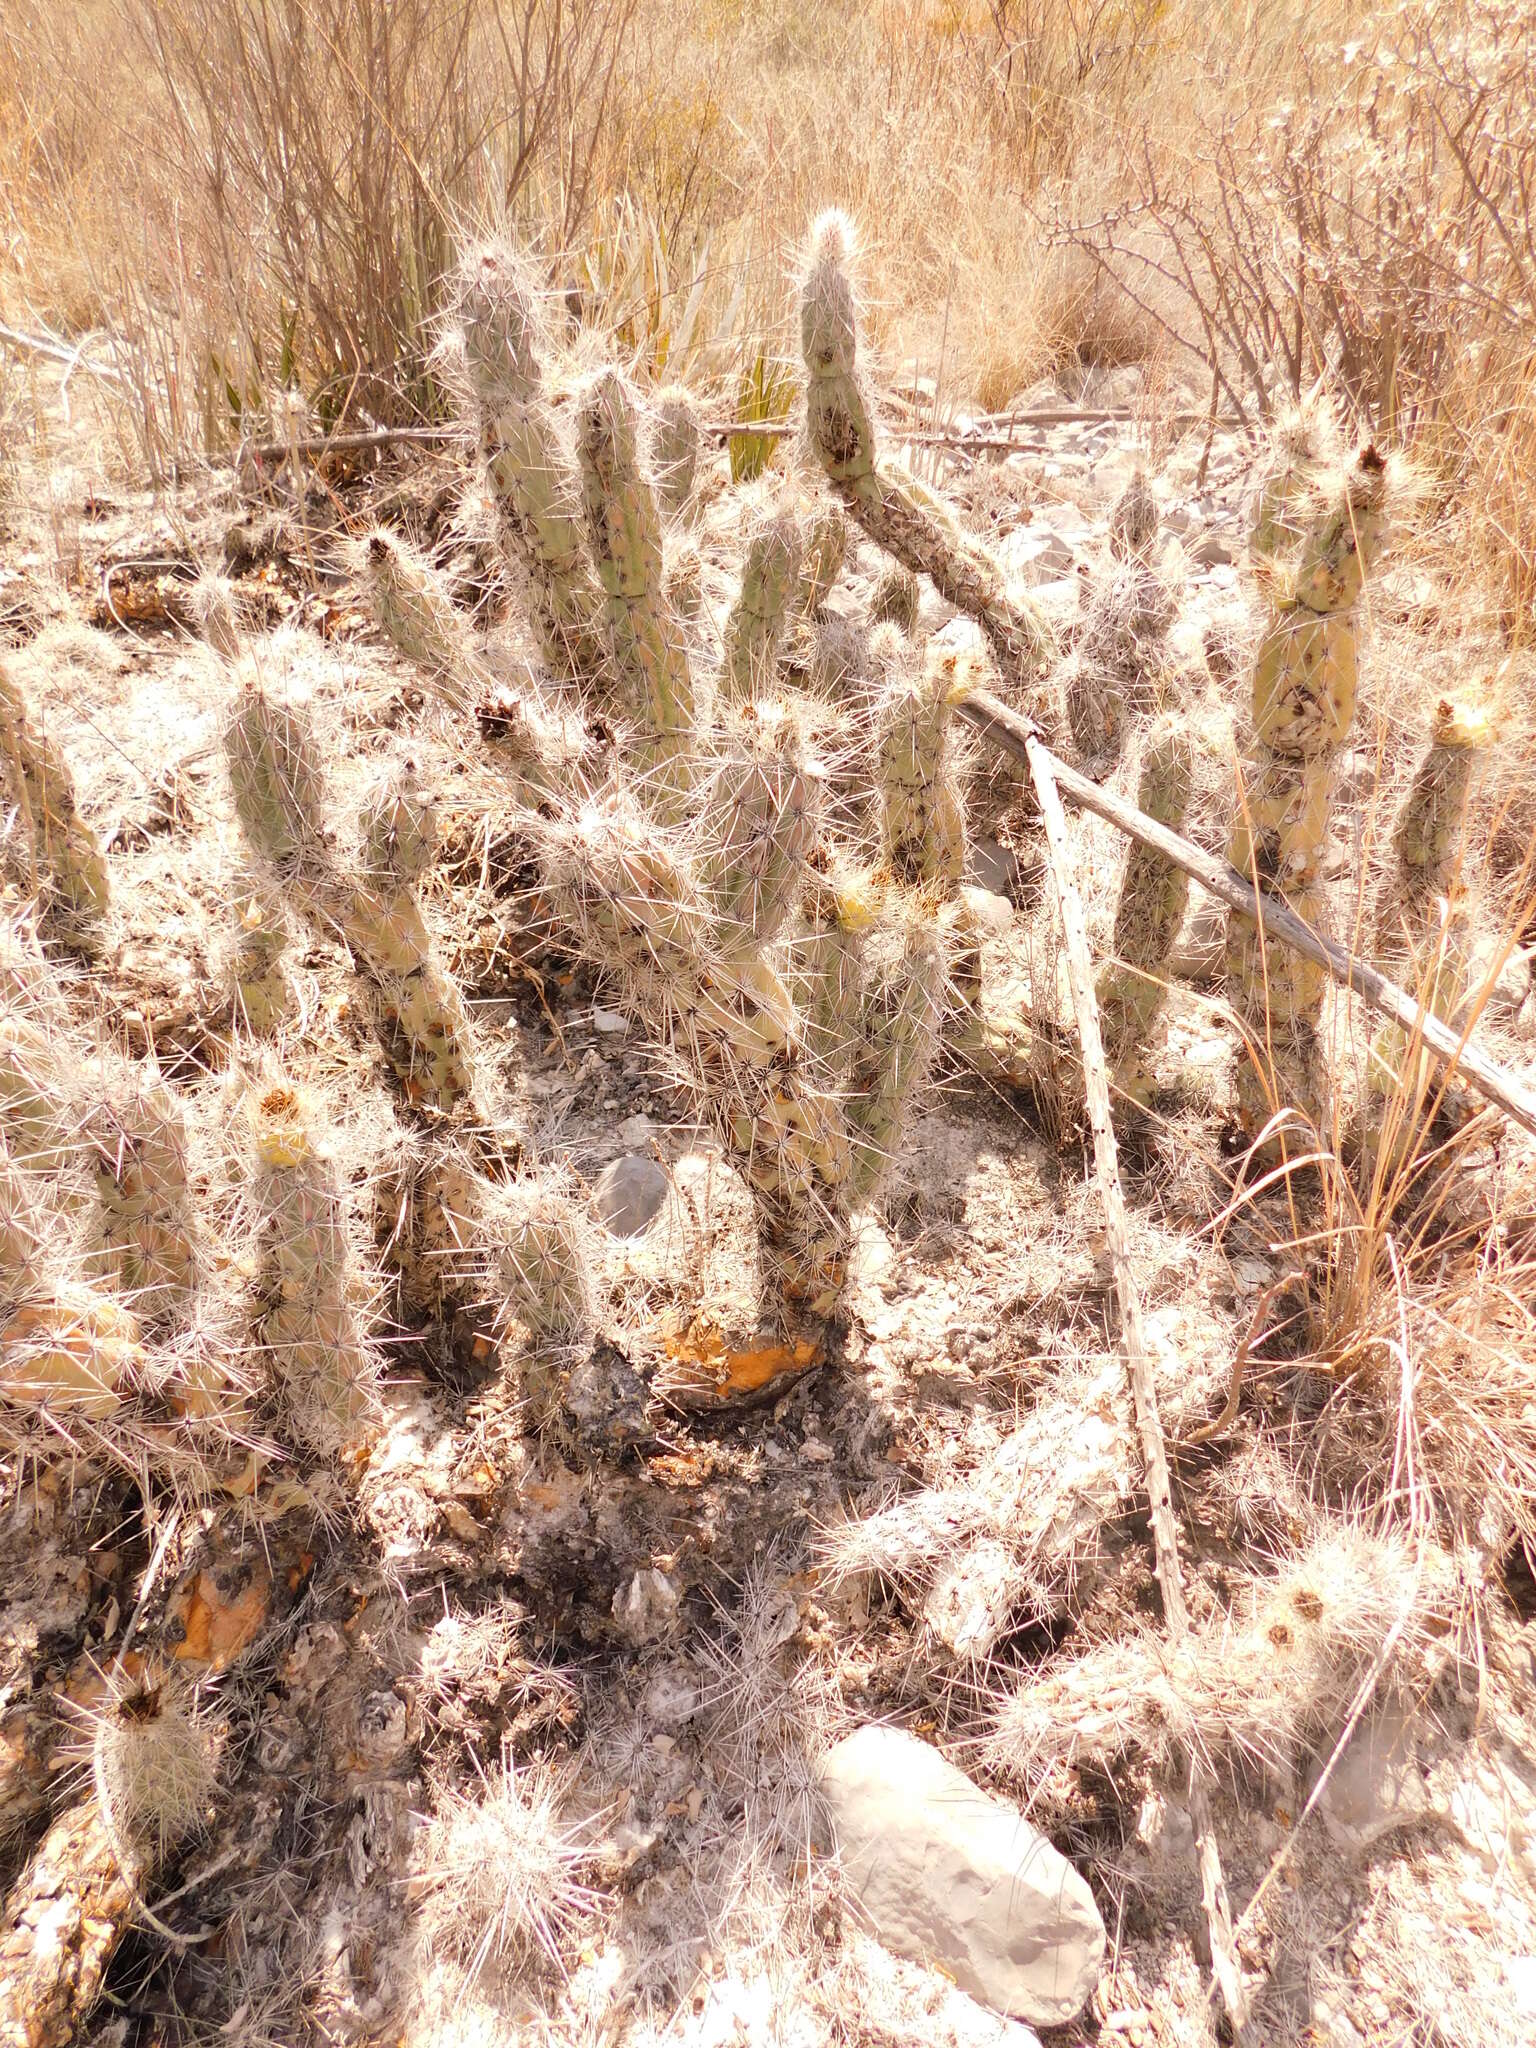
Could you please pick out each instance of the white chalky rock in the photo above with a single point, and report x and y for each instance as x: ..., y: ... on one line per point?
x: 959, y: 1880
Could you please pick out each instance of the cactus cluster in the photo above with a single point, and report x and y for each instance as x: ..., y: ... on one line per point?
x: 1318, y: 532
x: 279, y: 792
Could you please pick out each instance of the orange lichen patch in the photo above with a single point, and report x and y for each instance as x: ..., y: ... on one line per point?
x: 682, y: 1469
x: 705, y: 1365
x: 75, y: 1355
x: 218, y: 1626
x: 87, y: 1684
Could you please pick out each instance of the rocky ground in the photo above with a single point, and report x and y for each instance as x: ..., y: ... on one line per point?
x: 631, y: 1660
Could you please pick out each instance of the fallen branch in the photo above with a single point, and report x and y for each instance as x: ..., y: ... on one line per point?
x: 58, y: 352
x: 985, y: 434
x: 1165, y: 1535
x: 1018, y: 736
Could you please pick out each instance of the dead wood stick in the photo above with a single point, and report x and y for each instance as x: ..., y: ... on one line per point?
x: 1133, y: 1335
x: 58, y: 352
x: 1016, y: 735
x: 986, y: 434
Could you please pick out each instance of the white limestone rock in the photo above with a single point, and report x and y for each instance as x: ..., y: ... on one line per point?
x: 956, y: 1879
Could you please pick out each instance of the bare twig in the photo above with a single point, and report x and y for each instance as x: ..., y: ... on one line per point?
x: 1018, y: 735
x: 1165, y: 1536
x: 58, y: 351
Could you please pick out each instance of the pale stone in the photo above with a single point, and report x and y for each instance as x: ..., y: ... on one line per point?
x: 959, y: 1880
x: 630, y: 1194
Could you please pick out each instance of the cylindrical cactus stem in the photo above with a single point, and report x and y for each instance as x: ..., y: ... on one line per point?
x: 760, y: 825
x: 650, y: 654
x: 280, y: 799
x: 842, y: 906
x: 897, y: 596
x: 901, y: 1011
x: 41, y: 799
x: 1282, y: 503
x: 1153, y: 894
x: 64, y: 1348
x: 676, y: 437
x: 1424, y: 929
x: 770, y: 573
x: 277, y: 780
x: 922, y: 810
x: 262, y: 991
x: 324, y: 1380
x: 1278, y: 996
x: 412, y: 609
x: 1303, y: 705
x: 529, y: 466
x: 397, y: 831
x: 1133, y: 521
x: 138, y: 1147
x: 821, y: 563
x: 1119, y: 669
x: 544, y: 1265
x: 895, y: 512
x: 426, y: 1031
x: 1427, y: 837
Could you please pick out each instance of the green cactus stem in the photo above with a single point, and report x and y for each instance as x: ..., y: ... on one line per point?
x: 921, y: 807
x: 825, y: 551
x: 323, y: 1377
x: 896, y: 513
x: 530, y: 468
x: 280, y: 801
x: 677, y: 436
x: 1332, y: 528
x: 54, y: 837
x: 1153, y: 894
x: 770, y: 574
x: 138, y: 1147
x: 652, y: 676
